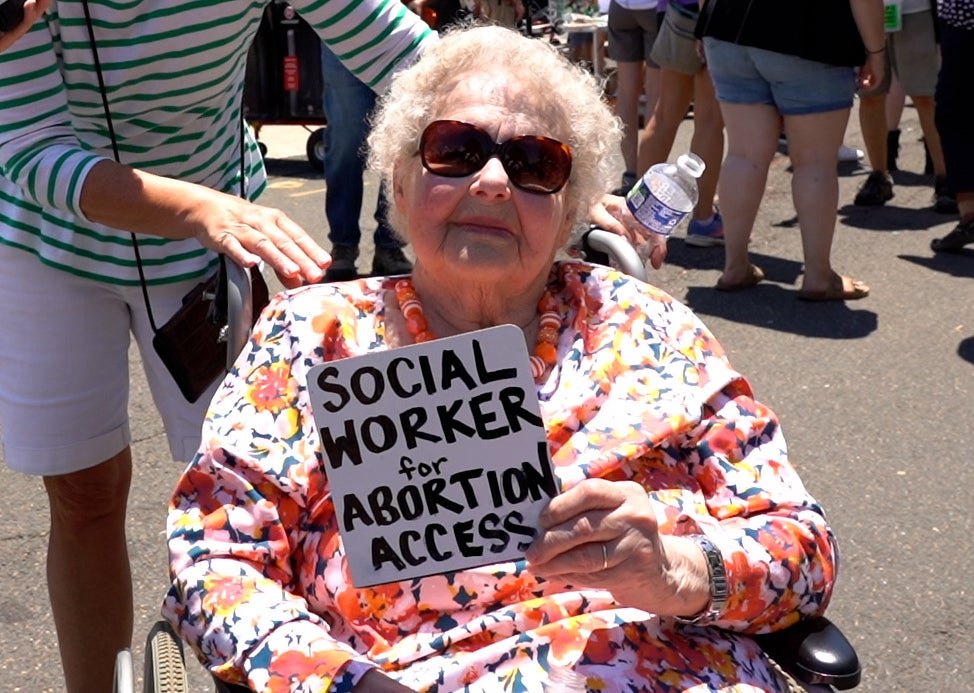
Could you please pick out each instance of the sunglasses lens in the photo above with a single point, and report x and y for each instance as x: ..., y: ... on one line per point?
x: 454, y: 149
x: 537, y: 164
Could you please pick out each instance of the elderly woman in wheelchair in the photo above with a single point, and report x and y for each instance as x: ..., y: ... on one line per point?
x: 681, y: 528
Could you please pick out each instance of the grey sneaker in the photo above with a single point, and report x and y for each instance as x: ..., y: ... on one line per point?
x: 389, y: 262
x: 342, y: 267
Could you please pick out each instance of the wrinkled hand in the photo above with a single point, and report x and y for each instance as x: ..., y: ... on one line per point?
x: 32, y: 10
x: 612, y: 214
x: 248, y: 233
x: 660, y: 574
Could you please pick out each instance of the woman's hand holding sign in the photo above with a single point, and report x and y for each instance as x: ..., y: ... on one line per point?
x: 604, y: 534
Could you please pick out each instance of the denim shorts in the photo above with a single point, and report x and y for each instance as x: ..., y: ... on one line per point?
x: 793, y: 85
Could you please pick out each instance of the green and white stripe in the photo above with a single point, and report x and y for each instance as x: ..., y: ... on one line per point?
x: 174, y: 74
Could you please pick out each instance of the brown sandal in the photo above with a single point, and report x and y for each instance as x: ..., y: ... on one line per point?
x: 754, y: 276
x: 841, y: 289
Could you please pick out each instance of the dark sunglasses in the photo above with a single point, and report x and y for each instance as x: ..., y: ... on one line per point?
x: 454, y: 149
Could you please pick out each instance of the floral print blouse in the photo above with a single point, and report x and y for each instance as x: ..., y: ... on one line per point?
x: 641, y: 391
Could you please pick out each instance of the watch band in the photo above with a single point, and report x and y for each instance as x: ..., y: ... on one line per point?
x: 717, y: 573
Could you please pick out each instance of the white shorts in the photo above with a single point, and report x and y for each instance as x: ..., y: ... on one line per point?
x: 64, y: 370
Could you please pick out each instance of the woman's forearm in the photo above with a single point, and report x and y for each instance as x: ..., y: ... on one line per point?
x: 134, y: 200
x: 868, y: 15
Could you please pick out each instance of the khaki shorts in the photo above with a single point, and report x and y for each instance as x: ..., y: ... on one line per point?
x: 676, y: 46
x: 912, y: 55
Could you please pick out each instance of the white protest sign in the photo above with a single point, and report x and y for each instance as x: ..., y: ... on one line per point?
x: 435, y: 454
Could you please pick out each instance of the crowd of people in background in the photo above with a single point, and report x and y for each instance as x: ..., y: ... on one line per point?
x: 771, y: 72
x: 881, y: 57
x: 72, y: 175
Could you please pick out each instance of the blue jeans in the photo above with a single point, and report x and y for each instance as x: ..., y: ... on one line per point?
x: 347, y: 104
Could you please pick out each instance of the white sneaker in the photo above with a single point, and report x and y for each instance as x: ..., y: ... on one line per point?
x: 850, y: 153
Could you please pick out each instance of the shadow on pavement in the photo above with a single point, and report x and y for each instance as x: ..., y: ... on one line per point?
x: 294, y: 167
x: 960, y: 264
x: 776, y: 269
x: 912, y: 179
x: 770, y: 305
x: 889, y: 217
x: 773, y: 307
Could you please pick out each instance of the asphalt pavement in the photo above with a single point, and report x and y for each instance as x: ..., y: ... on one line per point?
x: 875, y: 399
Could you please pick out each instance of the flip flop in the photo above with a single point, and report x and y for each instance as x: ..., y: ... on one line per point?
x: 754, y: 276
x: 841, y: 289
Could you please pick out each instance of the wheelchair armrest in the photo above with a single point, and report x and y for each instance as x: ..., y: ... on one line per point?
x: 814, y: 651
x: 604, y: 247
x: 240, y: 308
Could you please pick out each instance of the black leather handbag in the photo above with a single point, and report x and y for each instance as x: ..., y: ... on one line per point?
x: 193, y: 343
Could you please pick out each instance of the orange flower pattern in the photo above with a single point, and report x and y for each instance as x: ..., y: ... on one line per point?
x: 641, y: 391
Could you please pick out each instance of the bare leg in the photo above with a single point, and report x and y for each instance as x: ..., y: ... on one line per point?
x: 925, y: 114
x: 631, y: 83
x: 651, y: 90
x: 895, y: 100
x: 656, y: 139
x: 872, y: 122
x: 752, y: 140
x: 707, y: 141
x: 88, y: 573
x: 813, y: 141
x: 965, y: 202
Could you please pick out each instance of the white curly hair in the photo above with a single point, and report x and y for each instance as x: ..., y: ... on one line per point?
x: 566, y: 94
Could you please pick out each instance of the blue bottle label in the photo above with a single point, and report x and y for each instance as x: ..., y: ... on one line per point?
x: 652, y: 212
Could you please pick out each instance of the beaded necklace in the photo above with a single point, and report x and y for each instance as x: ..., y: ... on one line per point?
x: 545, y: 351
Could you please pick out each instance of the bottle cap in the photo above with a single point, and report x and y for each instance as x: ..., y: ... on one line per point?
x: 691, y: 164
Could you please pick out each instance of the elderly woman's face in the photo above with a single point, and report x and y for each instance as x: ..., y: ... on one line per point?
x: 482, y: 225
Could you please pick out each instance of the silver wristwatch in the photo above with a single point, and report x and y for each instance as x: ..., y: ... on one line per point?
x: 719, y: 589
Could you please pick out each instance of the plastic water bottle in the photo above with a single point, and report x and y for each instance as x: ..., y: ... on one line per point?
x: 666, y: 194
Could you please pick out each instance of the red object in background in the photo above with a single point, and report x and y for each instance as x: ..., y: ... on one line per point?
x: 292, y: 73
x: 428, y: 15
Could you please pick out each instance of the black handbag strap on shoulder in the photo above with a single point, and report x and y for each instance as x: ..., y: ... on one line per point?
x: 222, y: 274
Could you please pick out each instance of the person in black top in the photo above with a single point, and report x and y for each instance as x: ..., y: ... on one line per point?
x: 954, y: 104
x: 794, y: 62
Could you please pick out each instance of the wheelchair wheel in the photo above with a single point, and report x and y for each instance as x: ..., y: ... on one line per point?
x: 124, y: 673
x: 315, y: 149
x: 165, y: 669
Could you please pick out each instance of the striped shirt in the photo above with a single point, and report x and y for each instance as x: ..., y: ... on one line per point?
x: 174, y: 73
